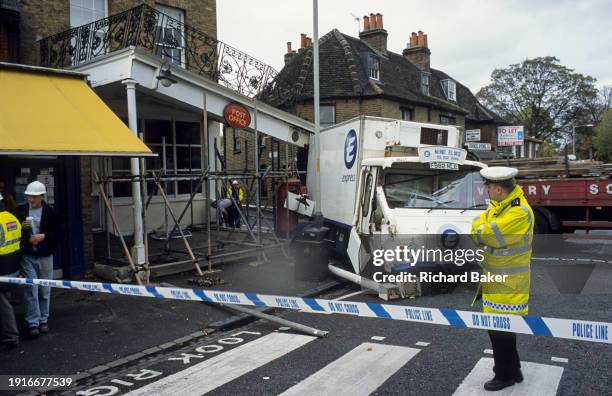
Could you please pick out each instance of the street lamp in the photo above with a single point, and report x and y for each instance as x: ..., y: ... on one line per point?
x: 574, y: 136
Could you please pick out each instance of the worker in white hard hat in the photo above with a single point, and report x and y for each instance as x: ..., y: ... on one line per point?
x: 10, y: 240
x: 505, y: 232
x: 40, y: 238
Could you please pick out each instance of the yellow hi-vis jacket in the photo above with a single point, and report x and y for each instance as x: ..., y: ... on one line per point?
x: 240, y: 193
x: 10, y: 239
x: 505, y: 232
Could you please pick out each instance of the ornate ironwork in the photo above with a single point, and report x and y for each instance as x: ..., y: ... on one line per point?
x: 172, y: 41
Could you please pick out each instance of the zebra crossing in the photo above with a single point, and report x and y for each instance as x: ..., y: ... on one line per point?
x: 362, y: 370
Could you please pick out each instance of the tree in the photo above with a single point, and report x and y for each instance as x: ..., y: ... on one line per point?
x: 541, y: 94
x: 603, y: 138
x: 597, y: 106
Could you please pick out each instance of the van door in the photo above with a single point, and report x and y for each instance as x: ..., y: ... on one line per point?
x: 358, y: 252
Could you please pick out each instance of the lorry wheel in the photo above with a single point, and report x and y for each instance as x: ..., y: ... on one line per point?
x: 541, y: 224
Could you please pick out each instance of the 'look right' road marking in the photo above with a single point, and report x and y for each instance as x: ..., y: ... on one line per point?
x: 221, y: 369
x: 359, y: 372
x: 539, y: 380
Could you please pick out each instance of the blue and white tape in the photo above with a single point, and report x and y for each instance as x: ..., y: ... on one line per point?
x: 583, y: 330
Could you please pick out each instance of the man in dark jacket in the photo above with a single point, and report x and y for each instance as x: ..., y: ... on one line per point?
x: 10, y: 239
x: 40, y: 237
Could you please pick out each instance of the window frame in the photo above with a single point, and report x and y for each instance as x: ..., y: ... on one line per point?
x: 374, y: 67
x: 93, y: 10
x: 409, y: 110
x: 170, y: 11
x: 425, y: 83
x: 171, y: 188
x: 446, y: 87
x: 236, y: 142
x: 451, y: 120
x: 333, y: 107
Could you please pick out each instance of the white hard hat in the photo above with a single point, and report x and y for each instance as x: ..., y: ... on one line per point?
x: 35, y: 188
x: 1, y: 197
x: 498, y: 173
x: 234, y: 181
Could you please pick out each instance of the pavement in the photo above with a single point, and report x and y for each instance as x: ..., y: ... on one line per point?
x: 91, y: 332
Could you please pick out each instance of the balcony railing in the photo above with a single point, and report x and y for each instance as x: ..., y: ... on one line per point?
x: 172, y: 41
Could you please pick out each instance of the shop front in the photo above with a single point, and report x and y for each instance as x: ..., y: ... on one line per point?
x: 49, y: 121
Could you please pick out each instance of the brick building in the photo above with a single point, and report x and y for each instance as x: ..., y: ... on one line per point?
x: 160, y: 68
x: 362, y: 76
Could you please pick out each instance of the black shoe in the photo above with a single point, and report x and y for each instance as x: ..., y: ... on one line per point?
x: 496, y: 384
x: 518, y: 378
x: 33, y: 332
x: 44, y: 328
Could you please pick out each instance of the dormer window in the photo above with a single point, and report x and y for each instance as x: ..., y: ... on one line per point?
x: 450, y: 89
x: 374, y: 67
x: 425, y: 83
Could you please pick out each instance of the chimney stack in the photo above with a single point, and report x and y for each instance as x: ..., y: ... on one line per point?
x: 418, y: 51
x: 373, y: 32
x: 290, y: 53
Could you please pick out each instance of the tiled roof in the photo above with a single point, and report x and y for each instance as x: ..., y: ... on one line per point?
x: 343, y: 72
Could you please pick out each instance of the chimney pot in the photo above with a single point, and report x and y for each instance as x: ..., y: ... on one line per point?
x: 373, y: 24
x: 288, y: 47
x: 413, y: 40
x: 366, y: 23
x: 421, y: 40
x: 302, y: 40
x: 379, y: 21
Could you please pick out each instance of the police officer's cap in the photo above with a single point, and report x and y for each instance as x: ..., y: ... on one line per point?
x: 496, y: 174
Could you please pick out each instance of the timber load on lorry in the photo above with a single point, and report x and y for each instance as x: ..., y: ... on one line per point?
x: 554, y: 167
x: 565, y: 195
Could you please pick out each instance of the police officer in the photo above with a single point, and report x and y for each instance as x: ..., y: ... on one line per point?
x: 10, y: 240
x: 505, y: 232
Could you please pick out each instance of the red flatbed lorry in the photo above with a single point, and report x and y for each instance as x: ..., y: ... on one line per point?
x: 565, y: 196
x: 569, y: 204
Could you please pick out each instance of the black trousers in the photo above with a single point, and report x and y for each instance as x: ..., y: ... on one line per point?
x: 233, y: 217
x: 505, y: 355
x: 8, y: 324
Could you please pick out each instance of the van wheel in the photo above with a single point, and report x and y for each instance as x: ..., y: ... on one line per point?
x: 541, y: 224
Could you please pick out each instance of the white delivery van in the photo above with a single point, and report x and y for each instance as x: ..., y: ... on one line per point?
x: 386, y: 177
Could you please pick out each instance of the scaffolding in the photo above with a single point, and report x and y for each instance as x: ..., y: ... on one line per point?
x: 256, y: 237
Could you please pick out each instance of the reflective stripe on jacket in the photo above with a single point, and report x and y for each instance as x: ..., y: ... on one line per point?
x: 10, y: 241
x: 505, y: 232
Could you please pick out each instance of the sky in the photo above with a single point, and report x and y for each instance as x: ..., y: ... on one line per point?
x: 468, y: 39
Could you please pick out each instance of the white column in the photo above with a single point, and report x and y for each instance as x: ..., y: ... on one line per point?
x: 138, y: 248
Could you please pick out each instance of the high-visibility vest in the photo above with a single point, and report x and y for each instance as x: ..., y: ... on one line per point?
x: 240, y: 193
x: 505, y: 232
x: 10, y: 233
x: 10, y: 239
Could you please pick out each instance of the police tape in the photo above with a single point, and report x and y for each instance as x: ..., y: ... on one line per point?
x: 535, y: 325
